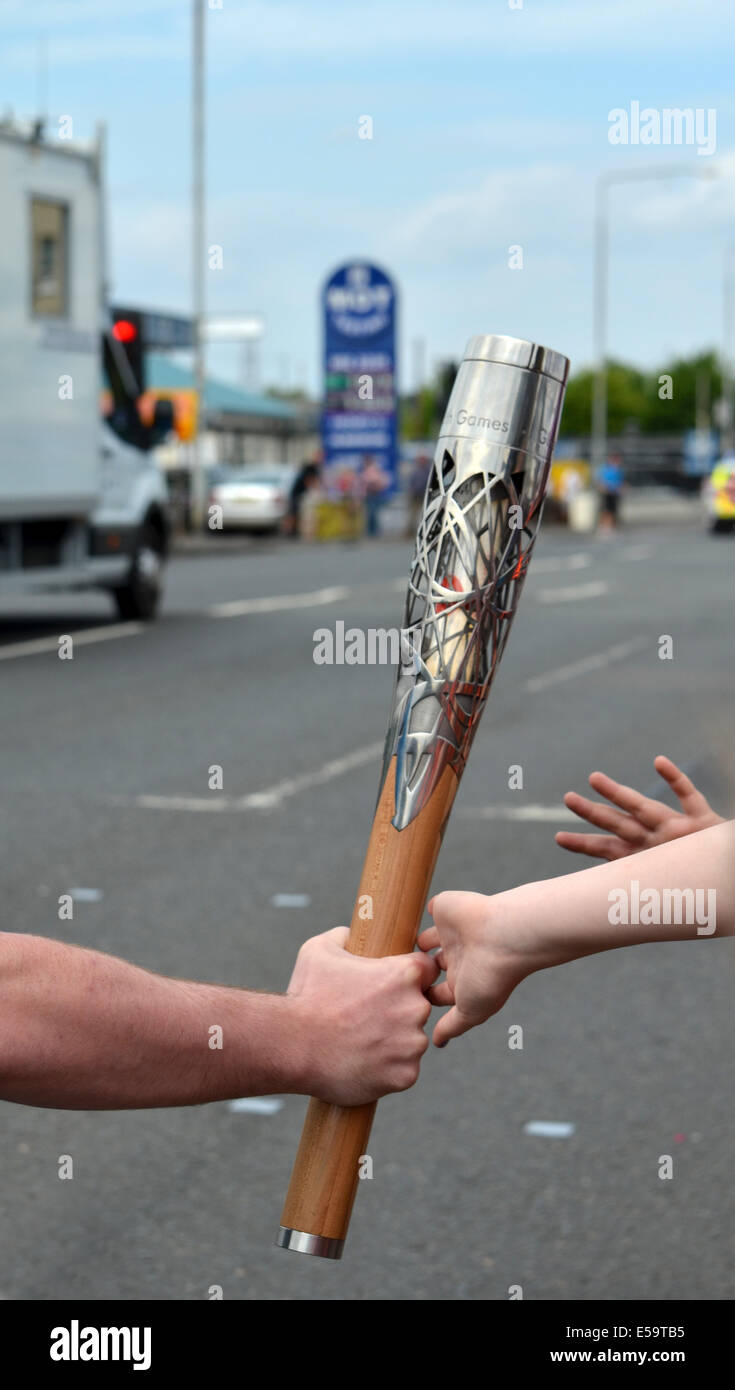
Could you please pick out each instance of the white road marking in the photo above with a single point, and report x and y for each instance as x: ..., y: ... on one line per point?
x: 86, y: 895
x: 637, y: 552
x: 274, y: 603
x: 548, y: 564
x: 236, y: 608
x: 290, y: 900
x: 596, y: 662
x: 255, y: 1105
x: 577, y: 591
x: 180, y: 803
x: 522, y: 813
x: 85, y: 637
x: 549, y: 1129
x: 270, y: 797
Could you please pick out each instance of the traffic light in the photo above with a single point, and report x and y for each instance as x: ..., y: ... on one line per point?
x: 124, y: 331
x: 128, y: 344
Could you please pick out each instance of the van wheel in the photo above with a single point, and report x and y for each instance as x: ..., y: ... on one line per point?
x: 140, y: 595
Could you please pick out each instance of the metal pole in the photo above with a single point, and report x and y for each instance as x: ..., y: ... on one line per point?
x: 198, y: 253
x: 419, y: 364
x: 702, y: 399
x: 602, y: 270
x: 728, y: 384
x: 101, y: 153
x: 43, y: 103
x: 602, y: 258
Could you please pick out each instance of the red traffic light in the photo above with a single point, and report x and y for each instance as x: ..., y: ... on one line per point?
x: 124, y: 331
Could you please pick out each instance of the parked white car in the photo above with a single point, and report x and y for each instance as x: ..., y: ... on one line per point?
x: 255, y: 498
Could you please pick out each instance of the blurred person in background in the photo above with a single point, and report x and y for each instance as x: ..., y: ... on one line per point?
x: 374, y: 482
x: 308, y: 477
x: 345, y: 486
x: 610, y: 485
x: 343, y: 483
x: 571, y: 486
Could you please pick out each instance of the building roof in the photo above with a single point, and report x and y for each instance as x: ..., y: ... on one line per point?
x: 219, y: 397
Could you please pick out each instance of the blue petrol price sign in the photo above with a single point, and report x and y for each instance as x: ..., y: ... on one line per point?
x: 359, y: 415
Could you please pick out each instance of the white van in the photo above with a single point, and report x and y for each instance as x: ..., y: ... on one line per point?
x: 82, y: 503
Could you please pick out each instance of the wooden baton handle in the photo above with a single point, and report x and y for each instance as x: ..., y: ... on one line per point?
x: 395, y: 883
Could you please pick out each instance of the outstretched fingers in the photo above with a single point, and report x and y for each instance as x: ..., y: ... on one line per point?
x: 689, y: 798
x: 647, y: 812
x: 596, y: 846
x: 603, y: 816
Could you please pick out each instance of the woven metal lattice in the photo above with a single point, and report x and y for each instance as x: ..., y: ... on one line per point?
x: 472, y: 552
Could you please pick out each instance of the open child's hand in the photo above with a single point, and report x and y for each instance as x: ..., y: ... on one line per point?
x: 639, y: 822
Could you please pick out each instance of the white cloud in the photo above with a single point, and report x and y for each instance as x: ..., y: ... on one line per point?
x: 693, y: 205
x: 385, y: 27
x: 46, y: 14
x: 449, y: 255
x: 550, y: 208
x: 479, y: 221
x: 89, y: 49
x: 81, y: 32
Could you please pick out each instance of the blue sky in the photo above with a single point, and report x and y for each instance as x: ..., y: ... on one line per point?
x: 490, y: 125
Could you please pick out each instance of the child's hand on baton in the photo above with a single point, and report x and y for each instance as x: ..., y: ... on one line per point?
x: 485, y: 952
x: 487, y: 945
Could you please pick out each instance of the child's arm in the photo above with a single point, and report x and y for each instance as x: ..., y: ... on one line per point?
x: 639, y: 822
x: 489, y: 944
x: 82, y: 1030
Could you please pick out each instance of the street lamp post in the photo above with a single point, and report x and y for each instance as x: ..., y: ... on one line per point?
x: 197, y: 246
x: 602, y: 278
x: 727, y: 419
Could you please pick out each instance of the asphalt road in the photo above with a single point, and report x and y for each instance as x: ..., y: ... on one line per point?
x: 105, y: 763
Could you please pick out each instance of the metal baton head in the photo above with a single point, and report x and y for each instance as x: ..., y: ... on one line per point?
x: 481, y: 513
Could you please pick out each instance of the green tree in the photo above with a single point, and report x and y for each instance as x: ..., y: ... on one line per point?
x: 422, y: 414
x: 642, y: 398
x: 634, y: 397
x: 625, y: 399
x: 670, y: 415
x: 577, y: 413
x: 418, y: 414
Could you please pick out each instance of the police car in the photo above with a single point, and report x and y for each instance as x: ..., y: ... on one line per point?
x: 719, y: 495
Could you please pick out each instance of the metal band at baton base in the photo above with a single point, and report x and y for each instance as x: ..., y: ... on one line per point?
x: 308, y: 1244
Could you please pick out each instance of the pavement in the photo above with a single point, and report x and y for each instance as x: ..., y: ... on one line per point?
x: 641, y: 506
x: 106, y: 762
